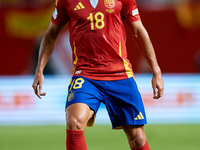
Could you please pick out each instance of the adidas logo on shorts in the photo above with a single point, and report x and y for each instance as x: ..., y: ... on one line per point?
x: 139, y: 117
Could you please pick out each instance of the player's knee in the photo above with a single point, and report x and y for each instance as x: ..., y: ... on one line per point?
x: 138, y: 141
x: 74, y: 124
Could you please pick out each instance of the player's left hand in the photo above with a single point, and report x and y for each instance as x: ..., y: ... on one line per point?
x: 158, y: 86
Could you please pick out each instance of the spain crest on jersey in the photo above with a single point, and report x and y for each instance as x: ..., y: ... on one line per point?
x: 109, y: 3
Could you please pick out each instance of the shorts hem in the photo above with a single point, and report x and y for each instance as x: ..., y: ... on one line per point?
x: 132, y: 124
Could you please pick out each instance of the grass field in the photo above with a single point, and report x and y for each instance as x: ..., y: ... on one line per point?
x: 160, y: 137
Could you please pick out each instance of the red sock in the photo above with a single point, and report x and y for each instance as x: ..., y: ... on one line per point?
x: 145, y: 147
x: 75, y: 140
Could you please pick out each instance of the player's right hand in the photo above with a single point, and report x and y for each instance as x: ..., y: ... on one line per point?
x: 37, y: 85
x: 158, y: 86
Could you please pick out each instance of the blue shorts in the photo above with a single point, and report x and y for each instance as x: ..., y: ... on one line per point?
x: 121, y: 98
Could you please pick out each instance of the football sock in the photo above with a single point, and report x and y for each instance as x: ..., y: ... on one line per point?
x: 145, y: 147
x: 75, y: 140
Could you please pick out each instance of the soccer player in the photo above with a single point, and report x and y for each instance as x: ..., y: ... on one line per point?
x: 102, y: 72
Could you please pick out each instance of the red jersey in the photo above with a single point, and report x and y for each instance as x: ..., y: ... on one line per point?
x: 98, y: 36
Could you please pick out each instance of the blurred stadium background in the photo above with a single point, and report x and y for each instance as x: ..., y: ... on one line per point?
x: 29, y: 123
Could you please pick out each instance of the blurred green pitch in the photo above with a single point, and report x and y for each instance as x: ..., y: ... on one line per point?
x: 160, y: 137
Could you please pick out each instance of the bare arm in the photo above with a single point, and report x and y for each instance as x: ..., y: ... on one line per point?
x: 143, y: 42
x: 46, y: 49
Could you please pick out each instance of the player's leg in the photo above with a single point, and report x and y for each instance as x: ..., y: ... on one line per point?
x: 136, y: 137
x: 126, y: 110
x: 77, y: 116
x: 81, y: 106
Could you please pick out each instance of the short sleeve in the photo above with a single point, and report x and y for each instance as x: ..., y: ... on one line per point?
x: 130, y: 10
x: 60, y: 15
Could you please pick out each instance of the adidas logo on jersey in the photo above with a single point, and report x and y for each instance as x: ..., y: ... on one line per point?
x: 139, y: 117
x: 79, y: 6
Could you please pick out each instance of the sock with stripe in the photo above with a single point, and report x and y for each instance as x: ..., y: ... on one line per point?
x: 145, y: 147
x: 75, y: 140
